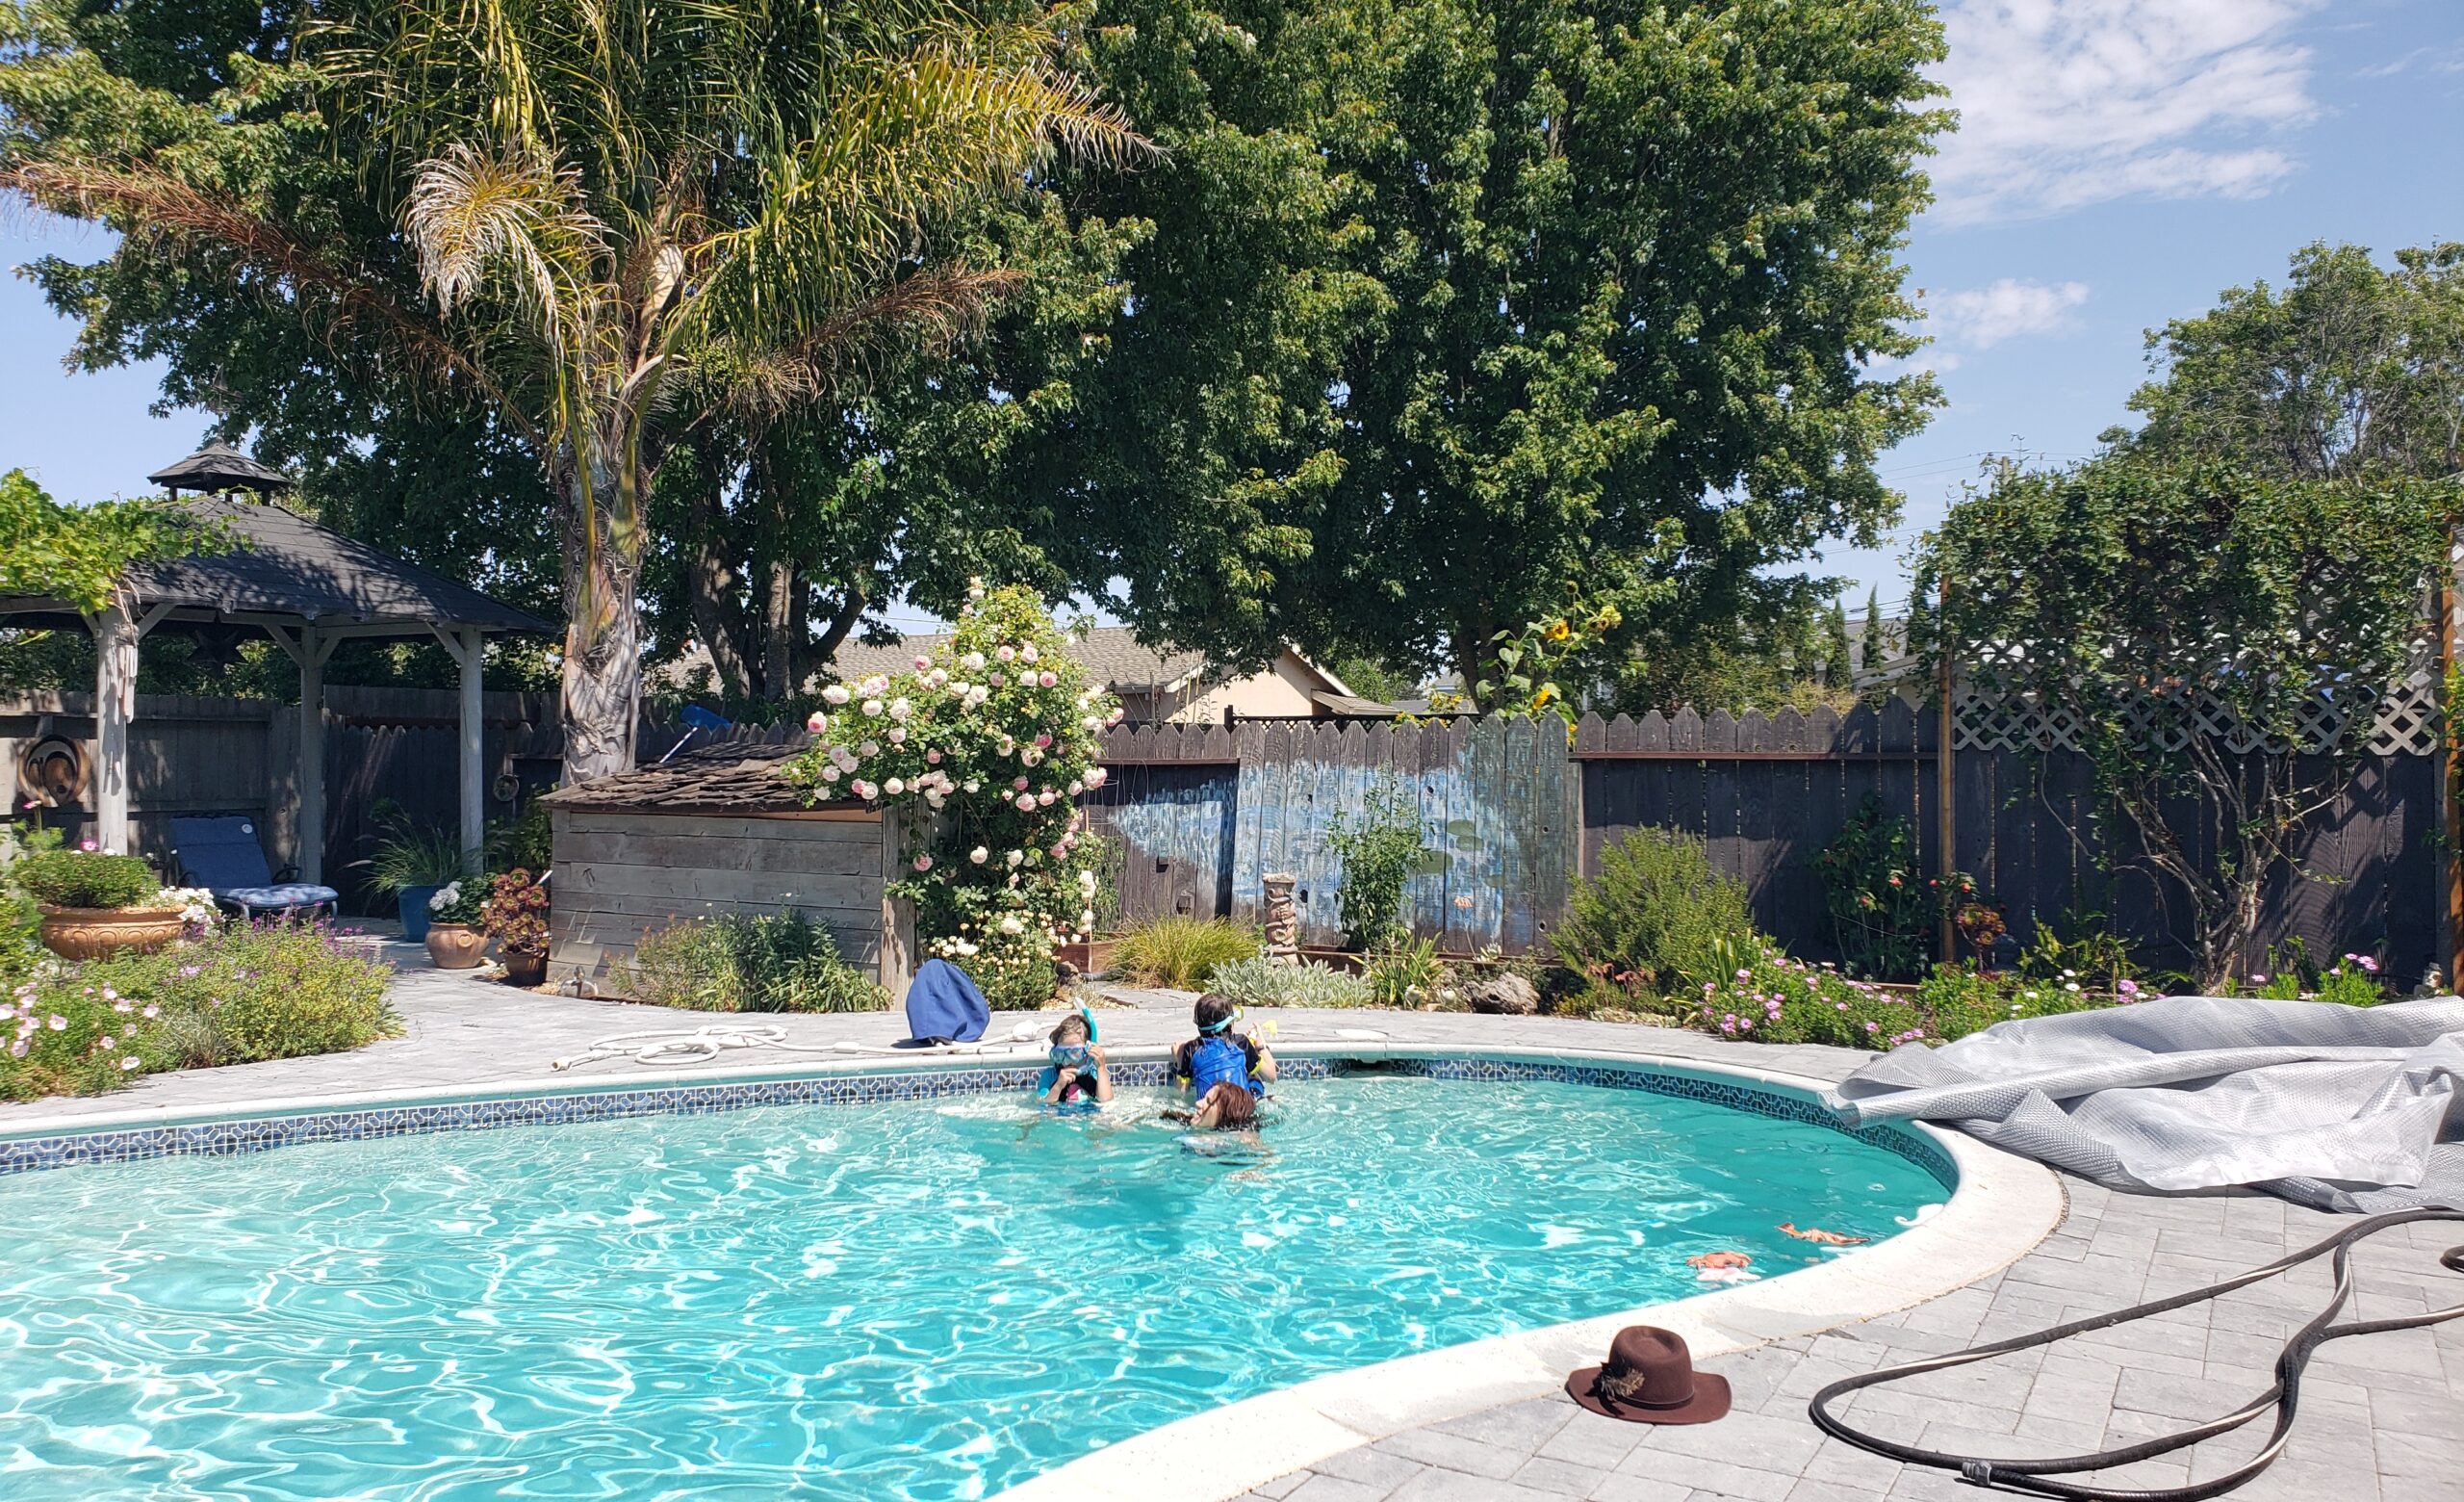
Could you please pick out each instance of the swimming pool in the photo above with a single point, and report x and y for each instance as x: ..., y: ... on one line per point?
x: 928, y: 1299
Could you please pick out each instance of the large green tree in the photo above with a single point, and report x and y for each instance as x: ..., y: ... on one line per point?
x: 624, y: 220
x: 2350, y: 368
x: 1634, y: 262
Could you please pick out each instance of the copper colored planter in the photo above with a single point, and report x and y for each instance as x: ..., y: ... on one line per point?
x: 90, y: 933
x: 455, y: 946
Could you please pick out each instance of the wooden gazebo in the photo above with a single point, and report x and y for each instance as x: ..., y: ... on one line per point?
x: 307, y: 588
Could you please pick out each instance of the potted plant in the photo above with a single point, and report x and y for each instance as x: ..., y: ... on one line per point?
x: 515, y: 916
x: 95, y: 904
x: 453, y: 939
x: 413, y: 861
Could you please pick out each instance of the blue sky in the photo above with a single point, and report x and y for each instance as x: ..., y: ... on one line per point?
x: 2118, y: 163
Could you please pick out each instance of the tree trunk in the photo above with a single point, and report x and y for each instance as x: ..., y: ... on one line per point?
x: 781, y: 624
x: 710, y: 582
x: 602, y: 670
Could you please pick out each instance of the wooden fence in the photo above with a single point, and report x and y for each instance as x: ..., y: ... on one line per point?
x: 1510, y: 813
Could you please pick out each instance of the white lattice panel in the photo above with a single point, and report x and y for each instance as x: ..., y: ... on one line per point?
x: 2405, y: 722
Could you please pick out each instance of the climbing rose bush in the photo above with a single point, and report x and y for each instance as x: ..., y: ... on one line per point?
x: 985, y: 745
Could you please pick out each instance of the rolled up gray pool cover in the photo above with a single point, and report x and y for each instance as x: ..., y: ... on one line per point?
x: 2344, y: 1108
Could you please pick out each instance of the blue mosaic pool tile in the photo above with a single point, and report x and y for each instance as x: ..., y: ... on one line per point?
x: 1717, y: 1092
x: 256, y: 1136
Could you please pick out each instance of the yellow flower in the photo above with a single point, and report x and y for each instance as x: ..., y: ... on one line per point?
x: 1542, y: 697
x: 1560, y: 630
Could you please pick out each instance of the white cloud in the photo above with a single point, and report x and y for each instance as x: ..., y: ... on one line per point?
x: 2008, y: 309
x: 2065, y: 103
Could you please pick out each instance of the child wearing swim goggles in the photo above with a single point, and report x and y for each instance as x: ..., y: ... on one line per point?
x: 1077, y: 1073
x: 1228, y: 1071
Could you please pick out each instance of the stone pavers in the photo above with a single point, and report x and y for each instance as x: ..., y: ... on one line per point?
x: 2382, y: 1416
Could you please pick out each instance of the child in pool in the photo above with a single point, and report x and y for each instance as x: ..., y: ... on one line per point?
x: 1221, y: 1065
x: 1078, y: 1073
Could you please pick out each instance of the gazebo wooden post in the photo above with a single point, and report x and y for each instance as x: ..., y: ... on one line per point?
x: 308, y: 652
x: 475, y: 807
x: 116, y: 633
x: 469, y: 649
x: 314, y: 648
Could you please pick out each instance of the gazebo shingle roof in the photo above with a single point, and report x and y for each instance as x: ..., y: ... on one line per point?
x: 290, y: 566
x: 218, y: 466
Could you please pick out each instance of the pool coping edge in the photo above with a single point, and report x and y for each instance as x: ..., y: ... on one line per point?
x: 2003, y: 1206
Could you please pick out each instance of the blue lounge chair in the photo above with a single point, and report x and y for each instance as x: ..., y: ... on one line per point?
x: 220, y: 852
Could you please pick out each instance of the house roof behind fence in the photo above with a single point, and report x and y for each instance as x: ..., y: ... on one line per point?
x: 1113, y: 654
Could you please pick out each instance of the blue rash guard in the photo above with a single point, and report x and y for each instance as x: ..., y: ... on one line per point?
x: 1213, y: 1060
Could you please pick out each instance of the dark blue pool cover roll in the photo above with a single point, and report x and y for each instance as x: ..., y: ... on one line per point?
x: 943, y: 1006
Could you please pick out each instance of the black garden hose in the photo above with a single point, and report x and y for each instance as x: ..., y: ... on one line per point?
x: 2033, y: 1477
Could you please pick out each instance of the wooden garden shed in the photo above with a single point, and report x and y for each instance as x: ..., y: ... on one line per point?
x: 718, y: 831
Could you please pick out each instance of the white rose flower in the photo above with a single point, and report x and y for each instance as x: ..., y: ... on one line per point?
x: 1011, y: 926
x: 835, y: 693
x: 873, y: 709
x: 973, y: 661
x: 894, y: 787
x: 1014, y: 857
x: 1027, y: 653
x: 979, y: 855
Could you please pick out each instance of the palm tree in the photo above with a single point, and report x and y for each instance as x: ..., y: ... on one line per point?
x: 629, y: 218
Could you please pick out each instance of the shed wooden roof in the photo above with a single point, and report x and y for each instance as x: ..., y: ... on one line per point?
x: 733, y: 777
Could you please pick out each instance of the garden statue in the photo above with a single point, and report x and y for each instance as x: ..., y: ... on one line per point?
x: 1283, y: 918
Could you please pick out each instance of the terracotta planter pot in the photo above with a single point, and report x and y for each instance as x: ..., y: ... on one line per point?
x: 89, y: 933
x: 456, y: 946
x: 524, y: 967
x: 1093, y: 958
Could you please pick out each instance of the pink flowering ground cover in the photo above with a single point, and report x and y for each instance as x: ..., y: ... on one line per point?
x: 235, y: 995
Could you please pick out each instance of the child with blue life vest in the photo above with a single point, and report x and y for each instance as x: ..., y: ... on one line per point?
x: 1077, y: 1073
x: 1226, y: 1071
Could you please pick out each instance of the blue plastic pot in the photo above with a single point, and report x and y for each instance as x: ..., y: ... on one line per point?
x: 414, y: 912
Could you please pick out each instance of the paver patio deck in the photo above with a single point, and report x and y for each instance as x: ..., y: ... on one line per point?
x: 2382, y: 1416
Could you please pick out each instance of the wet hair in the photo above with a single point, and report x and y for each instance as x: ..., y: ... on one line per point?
x: 1236, y: 1109
x: 1213, y: 1012
x: 1072, y: 1029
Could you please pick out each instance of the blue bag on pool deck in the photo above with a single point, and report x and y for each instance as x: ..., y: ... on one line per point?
x: 943, y: 1006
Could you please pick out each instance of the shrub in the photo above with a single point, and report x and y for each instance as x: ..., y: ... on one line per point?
x: 1379, y: 849
x: 1883, y: 913
x: 1258, y: 982
x: 988, y: 744
x: 774, y: 963
x: 242, y: 994
x: 85, y: 879
x: 1653, y: 918
x: 1180, y: 953
x: 1773, y: 998
x: 2353, y: 981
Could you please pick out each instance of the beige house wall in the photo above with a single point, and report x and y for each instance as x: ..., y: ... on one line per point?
x: 1283, y: 689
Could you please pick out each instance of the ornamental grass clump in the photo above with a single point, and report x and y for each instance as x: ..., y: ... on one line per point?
x: 1181, y: 953
x: 985, y: 745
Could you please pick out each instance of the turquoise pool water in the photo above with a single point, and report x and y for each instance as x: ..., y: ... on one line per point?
x: 925, y: 1300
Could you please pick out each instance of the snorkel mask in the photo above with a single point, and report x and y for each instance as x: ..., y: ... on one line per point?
x: 1217, y: 1029
x: 1079, y: 1056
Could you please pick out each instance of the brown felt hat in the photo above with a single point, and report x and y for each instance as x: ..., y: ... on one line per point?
x: 1649, y: 1379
